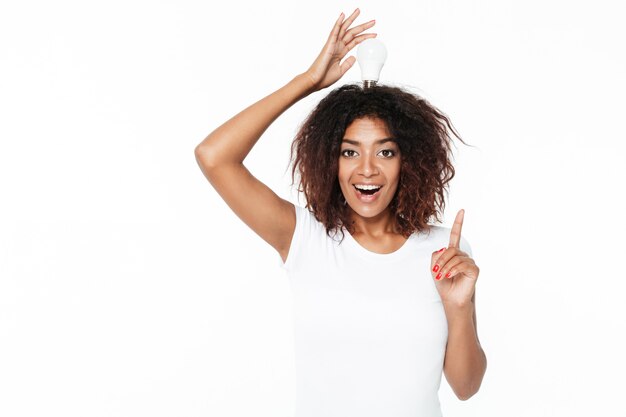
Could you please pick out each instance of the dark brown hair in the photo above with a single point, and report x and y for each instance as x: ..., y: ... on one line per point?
x: 422, y: 134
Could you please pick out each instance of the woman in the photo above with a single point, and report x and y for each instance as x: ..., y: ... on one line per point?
x: 374, y: 328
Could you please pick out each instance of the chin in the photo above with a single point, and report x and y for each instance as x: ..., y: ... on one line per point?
x: 368, y: 211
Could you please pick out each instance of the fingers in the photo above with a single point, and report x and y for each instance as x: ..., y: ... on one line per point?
x: 435, y: 266
x: 347, y: 64
x: 444, y: 259
x: 451, y: 268
x: 341, y: 31
x: 360, y: 39
x: 356, y: 30
x: 348, y: 22
x: 455, y: 233
x: 341, y: 39
x: 335, y: 32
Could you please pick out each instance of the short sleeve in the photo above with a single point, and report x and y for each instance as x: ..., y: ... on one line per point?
x: 465, y: 246
x: 302, y: 219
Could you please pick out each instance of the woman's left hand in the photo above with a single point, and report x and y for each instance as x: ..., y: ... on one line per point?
x: 455, y: 273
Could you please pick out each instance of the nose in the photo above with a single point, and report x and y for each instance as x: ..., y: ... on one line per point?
x: 367, y: 166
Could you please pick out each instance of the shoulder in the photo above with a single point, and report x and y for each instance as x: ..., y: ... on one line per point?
x: 440, y: 236
x: 438, y: 230
x: 307, y: 225
x: 305, y: 218
x: 436, y: 234
x: 309, y: 234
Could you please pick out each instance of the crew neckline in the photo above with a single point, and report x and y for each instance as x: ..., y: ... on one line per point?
x: 399, y: 253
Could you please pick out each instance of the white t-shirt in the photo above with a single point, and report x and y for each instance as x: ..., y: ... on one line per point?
x: 370, y: 328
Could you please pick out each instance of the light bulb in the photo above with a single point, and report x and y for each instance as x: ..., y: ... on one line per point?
x: 371, y: 56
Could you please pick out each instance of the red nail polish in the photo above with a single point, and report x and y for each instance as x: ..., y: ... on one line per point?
x: 438, y: 275
x: 436, y: 268
x: 440, y: 249
x: 448, y: 275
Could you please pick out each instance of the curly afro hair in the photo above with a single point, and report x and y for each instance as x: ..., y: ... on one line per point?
x: 422, y: 134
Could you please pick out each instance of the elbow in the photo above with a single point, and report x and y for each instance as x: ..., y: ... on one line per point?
x: 465, y: 397
x: 474, y: 385
x: 200, y: 151
x: 470, y: 390
x: 467, y: 394
x: 204, y: 157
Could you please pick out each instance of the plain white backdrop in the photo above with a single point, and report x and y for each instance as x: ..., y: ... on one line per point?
x: 129, y: 288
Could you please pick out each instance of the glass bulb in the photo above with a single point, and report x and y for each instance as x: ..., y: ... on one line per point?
x: 371, y: 56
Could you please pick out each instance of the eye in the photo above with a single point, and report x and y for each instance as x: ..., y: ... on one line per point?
x: 391, y: 154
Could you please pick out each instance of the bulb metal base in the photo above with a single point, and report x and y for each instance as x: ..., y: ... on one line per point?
x: 369, y: 83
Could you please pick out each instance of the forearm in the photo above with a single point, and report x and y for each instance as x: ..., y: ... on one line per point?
x: 465, y: 362
x: 233, y: 140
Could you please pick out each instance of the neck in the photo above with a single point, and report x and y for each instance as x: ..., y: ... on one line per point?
x: 381, y: 224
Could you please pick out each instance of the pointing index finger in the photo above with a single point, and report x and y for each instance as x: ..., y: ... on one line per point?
x: 455, y: 233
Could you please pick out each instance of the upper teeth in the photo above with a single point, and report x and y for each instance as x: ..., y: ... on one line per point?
x: 367, y: 187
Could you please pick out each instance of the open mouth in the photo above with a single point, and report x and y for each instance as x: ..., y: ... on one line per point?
x: 368, y: 190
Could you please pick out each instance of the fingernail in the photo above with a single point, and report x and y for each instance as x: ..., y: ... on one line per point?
x: 448, y: 275
x: 440, y: 250
x: 436, y: 268
x: 438, y: 276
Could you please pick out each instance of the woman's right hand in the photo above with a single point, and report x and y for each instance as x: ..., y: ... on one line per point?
x: 327, y: 68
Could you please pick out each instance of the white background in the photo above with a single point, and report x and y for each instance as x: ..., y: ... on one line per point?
x: 129, y: 288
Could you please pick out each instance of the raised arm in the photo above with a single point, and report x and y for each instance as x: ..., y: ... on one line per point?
x: 220, y: 155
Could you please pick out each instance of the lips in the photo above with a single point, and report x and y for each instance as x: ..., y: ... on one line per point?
x: 367, y: 198
x: 368, y: 191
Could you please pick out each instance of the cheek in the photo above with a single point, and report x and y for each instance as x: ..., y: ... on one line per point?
x: 343, y: 171
x: 398, y: 168
x: 340, y: 173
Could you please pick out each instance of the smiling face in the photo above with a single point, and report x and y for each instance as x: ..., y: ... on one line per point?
x: 368, y: 157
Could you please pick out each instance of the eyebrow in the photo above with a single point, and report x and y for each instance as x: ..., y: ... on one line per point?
x: 356, y: 142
